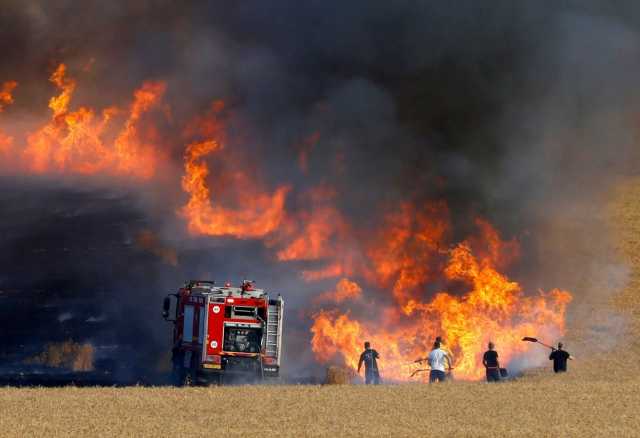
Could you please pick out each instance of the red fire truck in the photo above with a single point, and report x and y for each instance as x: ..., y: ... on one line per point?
x: 224, y: 333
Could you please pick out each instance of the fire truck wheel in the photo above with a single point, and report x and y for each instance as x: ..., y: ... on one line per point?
x: 188, y: 379
x: 183, y: 377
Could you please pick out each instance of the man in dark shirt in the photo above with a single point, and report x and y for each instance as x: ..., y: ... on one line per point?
x: 559, y: 358
x: 370, y: 358
x: 491, y: 364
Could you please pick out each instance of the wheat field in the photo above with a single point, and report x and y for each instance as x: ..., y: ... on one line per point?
x: 593, y: 399
x: 549, y: 408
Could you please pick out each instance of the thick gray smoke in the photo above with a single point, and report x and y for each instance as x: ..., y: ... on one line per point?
x: 522, y: 113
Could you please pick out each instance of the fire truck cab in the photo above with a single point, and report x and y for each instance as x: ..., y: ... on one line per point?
x: 224, y: 333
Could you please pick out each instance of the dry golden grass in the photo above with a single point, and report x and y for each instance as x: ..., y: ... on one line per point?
x: 339, y: 375
x: 68, y: 354
x: 549, y: 408
x: 587, y: 401
x: 626, y: 221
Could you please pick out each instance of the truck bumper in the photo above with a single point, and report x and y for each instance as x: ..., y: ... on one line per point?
x: 215, y: 374
x: 208, y: 376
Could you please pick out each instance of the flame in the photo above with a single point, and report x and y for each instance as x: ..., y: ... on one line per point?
x: 85, y: 141
x: 60, y: 104
x: 6, y: 96
x: 491, y: 307
x: 413, y: 240
x: 310, y: 236
x: 345, y: 290
x: 6, y: 143
x: 131, y: 156
x: 312, y: 242
x: 257, y: 213
x: 337, y: 334
x: 318, y: 233
x: 330, y: 271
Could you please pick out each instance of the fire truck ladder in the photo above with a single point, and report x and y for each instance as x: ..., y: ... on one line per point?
x: 274, y: 317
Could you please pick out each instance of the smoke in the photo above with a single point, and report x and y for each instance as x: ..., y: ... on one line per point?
x: 523, y: 114
x: 573, y: 138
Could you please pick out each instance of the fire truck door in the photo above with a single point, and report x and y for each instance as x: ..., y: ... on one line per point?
x: 187, y: 328
x: 201, y: 317
x: 194, y: 328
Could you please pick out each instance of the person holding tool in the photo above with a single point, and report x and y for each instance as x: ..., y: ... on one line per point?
x: 559, y: 358
x: 491, y: 364
x: 436, y: 359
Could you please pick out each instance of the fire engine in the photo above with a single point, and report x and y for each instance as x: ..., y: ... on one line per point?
x: 224, y: 333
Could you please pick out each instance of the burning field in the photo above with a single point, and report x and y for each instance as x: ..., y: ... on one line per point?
x: 397, y: 172
x: 491, y: 308
x: 584, y: 402
x: 393, y: 278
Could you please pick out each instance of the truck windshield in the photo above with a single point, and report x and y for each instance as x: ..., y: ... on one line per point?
x: 242, y: 340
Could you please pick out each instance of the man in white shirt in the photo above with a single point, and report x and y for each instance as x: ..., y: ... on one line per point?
x: 437, y: 359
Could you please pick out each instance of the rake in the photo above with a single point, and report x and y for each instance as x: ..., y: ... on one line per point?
x: 528, y: 339
x: 420, y: 371
x: 424, y: 370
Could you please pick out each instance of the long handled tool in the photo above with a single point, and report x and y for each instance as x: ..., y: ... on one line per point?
x: 528, y: 339
x: 424, y: 370
x: 420, y: 371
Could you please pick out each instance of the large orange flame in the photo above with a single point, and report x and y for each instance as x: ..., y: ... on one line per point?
x: 83, y: 141
x: 489, y: 308
x: 60, y: 104
x: 345, y: 290
x: 131, y: 156
x: 257, y: 213
x: 309, y: 234
x: 413, y: 239
x: 317, y: 233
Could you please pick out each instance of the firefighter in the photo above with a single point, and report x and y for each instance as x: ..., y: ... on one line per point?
x: 370, y: 358
x: 559, y: 358
x: 491, y: 364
